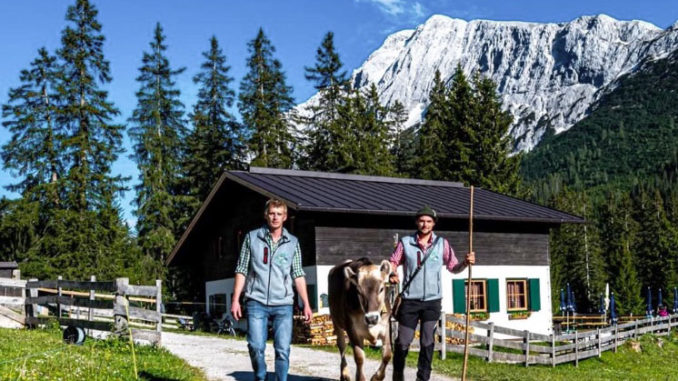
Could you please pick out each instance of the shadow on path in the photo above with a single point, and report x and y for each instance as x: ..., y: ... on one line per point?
x: 249, y: 376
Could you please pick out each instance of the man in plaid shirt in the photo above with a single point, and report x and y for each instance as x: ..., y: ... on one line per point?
x: 269, y: 263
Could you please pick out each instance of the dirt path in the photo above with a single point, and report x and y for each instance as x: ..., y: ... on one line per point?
x: 227, y: 359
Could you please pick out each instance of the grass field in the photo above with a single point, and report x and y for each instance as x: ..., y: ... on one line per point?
x: 656, y: 361
x: 42, y: 355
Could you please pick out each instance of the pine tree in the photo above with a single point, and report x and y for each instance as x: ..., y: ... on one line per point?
x: 656, y: 244
x: 264, y: 101
x: 33, y: 150
x: 331, y: 83
x: 217, y: 142
x: 158, y: 130
x: 369, y: 124
x: 494, y: 167
x: 430, y: 153
x: 459, y: 133
x: 80, y: 228
x: 618, y: 231
x: 94, y: 143
x: 403, y: 142
x: 576, y: 254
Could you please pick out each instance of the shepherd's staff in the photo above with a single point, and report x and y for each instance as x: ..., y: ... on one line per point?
x: 468, y: 287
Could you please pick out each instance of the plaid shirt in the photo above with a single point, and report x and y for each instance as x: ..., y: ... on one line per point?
x: 244, y: 259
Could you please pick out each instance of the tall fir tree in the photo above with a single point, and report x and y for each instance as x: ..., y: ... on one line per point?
x: 656, y: 244
x: 617, y: 232
x: 217, y: 142
x: 331, y: 82
x: 403, y: 139
x: 494, y: 166
x: 264, y: 102
x: 430, y: 152
x: 459, y: 133
x: 33, y: 152
x: 81, y: 233
x: 158, y: 130
x: 575, y: 252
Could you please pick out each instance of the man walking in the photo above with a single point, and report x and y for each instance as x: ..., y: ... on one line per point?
x: 422, y: 256
x: 269, y: 262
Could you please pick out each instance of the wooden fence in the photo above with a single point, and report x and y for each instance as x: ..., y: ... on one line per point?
x: 110, y: 306
x: 12, y: 302
x: 500, y: 344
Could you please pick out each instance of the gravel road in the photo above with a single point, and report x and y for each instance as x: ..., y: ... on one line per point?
x: 227, y: 359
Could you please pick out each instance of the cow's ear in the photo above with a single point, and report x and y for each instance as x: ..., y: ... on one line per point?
x: 351, y: 275
x: 385, y: 269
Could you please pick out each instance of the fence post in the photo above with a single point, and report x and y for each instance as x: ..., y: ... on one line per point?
x: 443, y: 334
x: 119, y: 311
x: 635, y: 333
x: 490, y: 344
x: 158, y: 308
x: 32, y: 312
x: 616, y: 337
x: 527, y: 348
x: 576, y: 349
x: 599, y: 341
x: 59, y: 278
x: 553, y: 350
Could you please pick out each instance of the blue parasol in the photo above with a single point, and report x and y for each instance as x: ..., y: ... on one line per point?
x: 574, y: 303
x: 601, y: 309
x: 649, y: 302
x: 613, y: 314
x: 563, y: 306
x: 675, y: 300
x: 659, y: 298
x: 569, y: 298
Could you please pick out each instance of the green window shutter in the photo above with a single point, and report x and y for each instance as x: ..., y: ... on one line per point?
x: 311, y: 291
x: 459, y: 299
x: 493, y: 295
x: 535, y: 301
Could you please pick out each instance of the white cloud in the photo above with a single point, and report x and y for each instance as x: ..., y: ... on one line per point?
x: 411, y: 11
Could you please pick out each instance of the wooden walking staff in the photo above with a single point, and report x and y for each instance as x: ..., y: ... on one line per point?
x: 468, y: 287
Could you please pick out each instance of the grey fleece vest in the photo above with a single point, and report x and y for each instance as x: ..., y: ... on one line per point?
x: 270, y: 272
x: 426, y: 285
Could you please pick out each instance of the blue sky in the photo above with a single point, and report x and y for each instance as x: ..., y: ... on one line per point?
x: 295, y: 27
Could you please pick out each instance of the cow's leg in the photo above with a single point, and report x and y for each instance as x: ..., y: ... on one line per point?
x: 386, y: 354
x: 341, y: 344
x: 359, y: 356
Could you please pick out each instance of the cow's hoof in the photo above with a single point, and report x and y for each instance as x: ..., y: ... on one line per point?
x: 377, y: 377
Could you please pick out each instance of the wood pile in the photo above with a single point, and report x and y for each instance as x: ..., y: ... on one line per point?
x: 319, y: 331
x: 456, y: 327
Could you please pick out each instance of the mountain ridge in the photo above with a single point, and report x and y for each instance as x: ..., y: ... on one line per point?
x: 547, y: 74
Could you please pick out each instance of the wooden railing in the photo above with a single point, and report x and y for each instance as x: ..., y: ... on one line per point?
x: 96, y: 305
x: 12, y: 303
x: 501, y: 344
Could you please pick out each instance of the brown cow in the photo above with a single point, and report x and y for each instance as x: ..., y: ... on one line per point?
x: 357, y: 305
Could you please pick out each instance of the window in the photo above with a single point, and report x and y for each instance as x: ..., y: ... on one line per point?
x: 516, y: 294
x: 478, y: 296
x: 217, y: 305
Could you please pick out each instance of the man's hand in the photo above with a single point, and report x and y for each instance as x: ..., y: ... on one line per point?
x: 308, y: 313
x: 471, y: 258
x: 236, y: 311
x: 393, y: 278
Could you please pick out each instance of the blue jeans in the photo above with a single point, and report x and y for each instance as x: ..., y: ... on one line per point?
x: 258, y: 315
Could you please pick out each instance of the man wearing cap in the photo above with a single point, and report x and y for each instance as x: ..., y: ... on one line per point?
x: 421, y: 302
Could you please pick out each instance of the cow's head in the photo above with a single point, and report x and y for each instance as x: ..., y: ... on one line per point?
x: 369, y: 282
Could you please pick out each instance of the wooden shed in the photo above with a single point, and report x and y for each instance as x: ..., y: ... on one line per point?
x: 338, y: 217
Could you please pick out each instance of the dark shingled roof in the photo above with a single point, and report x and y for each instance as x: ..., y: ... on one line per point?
x: 330, y: 192
x: 340, y: 193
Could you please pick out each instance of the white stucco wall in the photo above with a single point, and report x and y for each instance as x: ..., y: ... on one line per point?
x: 538, y: 322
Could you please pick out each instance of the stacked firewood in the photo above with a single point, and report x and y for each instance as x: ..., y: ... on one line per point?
x: 449, y: 325
x: 319, y: 331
